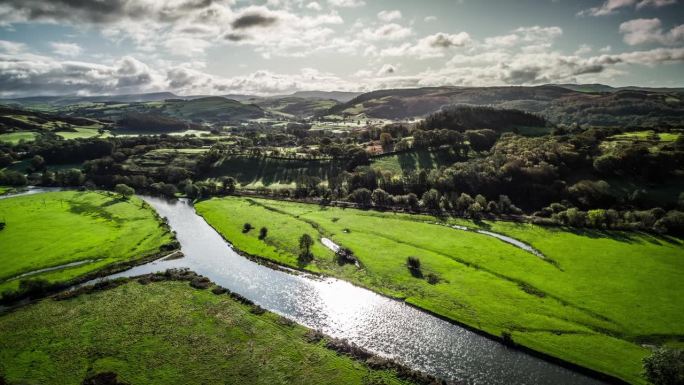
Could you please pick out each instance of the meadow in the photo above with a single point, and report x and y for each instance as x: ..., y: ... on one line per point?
x: 93, y: 229
x: 596, y: 299
x: 167, y: 333
x: 16, y: 137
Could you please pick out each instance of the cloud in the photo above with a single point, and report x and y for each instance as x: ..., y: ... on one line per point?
x: 347, y: 3
x: 66, y: 49
x: 610, y: 7
x: 11, y: 47
x: 526, y: 38
x: 390, y: 31
x: 388, y: 16
x: 432, y: 46
x: 29, y: 74
x: 583, y: 49
x: 253, y: 19
x: 386, y: 69
x: 429, y: 19
x: 644, y: 31
x: 314, y: 6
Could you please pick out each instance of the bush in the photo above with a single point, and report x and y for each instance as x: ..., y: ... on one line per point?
x: 247, y: 227
x: 124, y: 190
x: 263, y: 232
x: 413, y: 263
x: 665, y: 367
x: 345, y: 255
x: 432, y: 278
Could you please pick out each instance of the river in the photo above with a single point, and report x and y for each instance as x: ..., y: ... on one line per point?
x: 382, y: 325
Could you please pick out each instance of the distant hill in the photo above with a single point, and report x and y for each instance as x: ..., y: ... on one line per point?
x: 418, y: 102
x: 340, y: 96
x: 210, y: 109
x: 60, y: 101
x: 555, y: 103
x: 295, y: 106
x: 605, y: 88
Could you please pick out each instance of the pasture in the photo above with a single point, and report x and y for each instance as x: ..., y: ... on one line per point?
x: 167, y: 333
x: 88, y: 230
x: 595, y: 299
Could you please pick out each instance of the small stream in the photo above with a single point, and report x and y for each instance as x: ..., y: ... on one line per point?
x: 384, y: 326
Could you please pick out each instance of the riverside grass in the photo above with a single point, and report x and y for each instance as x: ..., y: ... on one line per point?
x: 167, y: 333
x: 607, y: 294
x: 56, y: 228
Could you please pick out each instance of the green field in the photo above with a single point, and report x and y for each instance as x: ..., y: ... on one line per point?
x: 413, y: 160
x: 52, y: 229
x: 253, y: 171
x: 603, y: 297
x: 166, y: 333
x: 16, y: 137
x: 84, y: 132
x: 647, y: 135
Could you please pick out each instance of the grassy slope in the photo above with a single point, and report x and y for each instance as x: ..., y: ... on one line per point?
x: 53, y: 229
x: 165, y: 333
x: 268, y: 172
x: 413, y: 160
x: 612, y: 291
x: 16, y: 137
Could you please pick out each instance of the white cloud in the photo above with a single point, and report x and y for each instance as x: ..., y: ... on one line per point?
x: 431, y: 46
x: 644, y: 31
x: 390, y: 31
x: 66, y: 49
x: 429, y: 19
x: 388, y: 16
x: 610, y: 7
x: 11, y: 47
x: 386, y: 69
x: 347, y: 3
x: 314, y: 6
x: 583, y: 49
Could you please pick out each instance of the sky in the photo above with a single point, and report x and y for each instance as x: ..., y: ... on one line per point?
x: 218, y: 47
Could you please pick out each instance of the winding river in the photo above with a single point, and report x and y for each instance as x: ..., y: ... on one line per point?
x: 382, y: 325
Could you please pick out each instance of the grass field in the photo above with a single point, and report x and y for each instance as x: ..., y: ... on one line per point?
x: 16, y: 137
x: 84, y: 132
x: 166, y: 333
x: 413, y: 160
x: 606, y: 294
x: 647, y: 135
x: 53, y: 229
x: 253, y: 172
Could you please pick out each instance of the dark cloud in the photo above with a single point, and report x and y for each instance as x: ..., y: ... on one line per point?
x: 235, y: 37
x: 97, y: 11
x: 250, y: 20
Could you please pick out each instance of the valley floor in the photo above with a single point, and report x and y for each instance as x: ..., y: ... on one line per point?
x: 167, y: 333
x: 596, y: 298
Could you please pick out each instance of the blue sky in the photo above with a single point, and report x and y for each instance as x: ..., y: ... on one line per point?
x: 279, y: 46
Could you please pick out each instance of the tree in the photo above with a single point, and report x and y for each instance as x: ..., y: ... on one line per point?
x: 386, y: 141
x: 431, y: 199
x: 463, y: 202
x: 362, y: 196
x: 263, y: 232
x: 247, y: 227
x: 413, y: 263
x: 665, y: 367
x: 305, y: 243
x: 381, y: 198
x: 229, y: 184
x: 37, y: 163
x: 124, y: 190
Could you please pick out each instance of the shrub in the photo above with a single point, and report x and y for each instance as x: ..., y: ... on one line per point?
x: 263, y: 232
x: 345, y: 255
x: 432, y: 278
x: 247, y: 227
x: 305, y: 243
x: 413, y: 263
x: 665, y: 367
x: 124, y: 190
